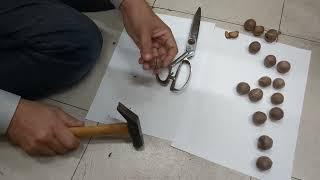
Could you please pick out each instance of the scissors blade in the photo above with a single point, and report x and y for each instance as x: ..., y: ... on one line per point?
x: 194, y: 32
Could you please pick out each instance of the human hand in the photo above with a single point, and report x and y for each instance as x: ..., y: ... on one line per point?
x: 152, y: 36
x: 42, y: 130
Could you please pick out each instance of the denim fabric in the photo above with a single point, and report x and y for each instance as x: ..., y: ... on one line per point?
x: 46, y: 45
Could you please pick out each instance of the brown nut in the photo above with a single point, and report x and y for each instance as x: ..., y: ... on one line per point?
x: 283, y: 67
x: 234, y: 34
x: 264, y: 81
x: 255, y: 95
x: 231, y: 35
x: 226, y: 34
x: 278, y: 83
x: 264, y: 163
x: 276, y: 114
x: 243, y: 88
x: 271, y: 35
x: 277, y: 98
x: 265, y: 142
x: 270, y: 61
x: 258, y: 30
x: 250, y: 24
x: 259, y: 118
x: 254, y: 47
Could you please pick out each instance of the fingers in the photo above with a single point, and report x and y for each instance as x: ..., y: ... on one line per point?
x: 66, y: 138
x: 168, y: 47
x: 146, y: 47
x: 56, y: 146
x: 45, y: 151
x: 33, y: 148
x: 70, y: 121
x: 146, y: 66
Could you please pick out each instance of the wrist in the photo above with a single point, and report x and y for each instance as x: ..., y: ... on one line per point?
x: 129, y: 4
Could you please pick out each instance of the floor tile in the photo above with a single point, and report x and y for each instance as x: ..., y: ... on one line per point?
x: 252, y: 178
x: 266, y: 13
x: 307, y: 162
x: 17, y: 165
x: 221, y: 24
x: 302, y: 19
x: 115, y: 159
x: 82, y: 94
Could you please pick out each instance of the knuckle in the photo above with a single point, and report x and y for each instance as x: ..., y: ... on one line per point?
x: 42, y: 136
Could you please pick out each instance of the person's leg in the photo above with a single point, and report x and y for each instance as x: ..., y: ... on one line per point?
x: 44, y: 46
x: 89, y: 5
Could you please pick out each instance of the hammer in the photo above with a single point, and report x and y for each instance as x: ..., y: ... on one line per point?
x: 131, y: 128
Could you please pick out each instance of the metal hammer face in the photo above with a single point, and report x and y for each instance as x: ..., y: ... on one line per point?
x: 133, y: 123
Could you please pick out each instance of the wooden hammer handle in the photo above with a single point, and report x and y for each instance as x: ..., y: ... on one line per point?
x: 120, y: 129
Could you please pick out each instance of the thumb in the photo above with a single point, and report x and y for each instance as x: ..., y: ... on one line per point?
x: 70, y: 121
x: 146, y: 47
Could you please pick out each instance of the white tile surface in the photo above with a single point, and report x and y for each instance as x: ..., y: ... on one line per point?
x: 302, y: 19
x: 157, y: 161
x: 267, y: 13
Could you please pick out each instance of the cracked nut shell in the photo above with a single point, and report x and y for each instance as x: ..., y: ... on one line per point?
x: 265, y: 142
x: 278, y: 83
x: 271, y: 35
x: 270, y: 61
x: 283, y: 67
x: 255, y: 95
x: 277, y: 98
x: 250, y: 24
x: 276, y: 114
x: 243, y: 88
x: 254, y: 47
x: 264, y: 163
x: 264, y: 81
x: 259, y: 118
x: 258, y: 30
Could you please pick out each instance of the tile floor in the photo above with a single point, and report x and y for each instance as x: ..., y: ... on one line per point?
x: 299, y: 22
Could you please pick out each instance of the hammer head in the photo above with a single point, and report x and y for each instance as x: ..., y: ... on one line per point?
x: 133, y: 125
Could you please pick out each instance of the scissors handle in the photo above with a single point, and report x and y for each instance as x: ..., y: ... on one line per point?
x: 184, y: 56
x: 173, y: 88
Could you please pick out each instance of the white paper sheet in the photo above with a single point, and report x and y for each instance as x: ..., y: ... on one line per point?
x: 220, y: 128
x: 214, y: 122
x: 125, y: 81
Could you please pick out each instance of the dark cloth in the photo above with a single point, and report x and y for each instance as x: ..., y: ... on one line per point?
x: 47, y: 45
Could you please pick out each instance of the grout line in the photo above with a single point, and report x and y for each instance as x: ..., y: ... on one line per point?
x: 75, y: 170
x: 154, y: 2
x: 68, y: 104
x: 284, y: 1
x: 183, y: 12
x: 232, y: 23
x: 300, y: 38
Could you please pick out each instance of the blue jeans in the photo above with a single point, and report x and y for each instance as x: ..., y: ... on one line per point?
x: 46, y: 45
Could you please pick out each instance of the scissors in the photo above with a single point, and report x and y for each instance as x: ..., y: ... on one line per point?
x: 183, y: 60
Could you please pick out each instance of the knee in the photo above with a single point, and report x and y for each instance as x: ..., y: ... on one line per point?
x: 71, y: 37
x: 91, y: 40
x: 85, y: 41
